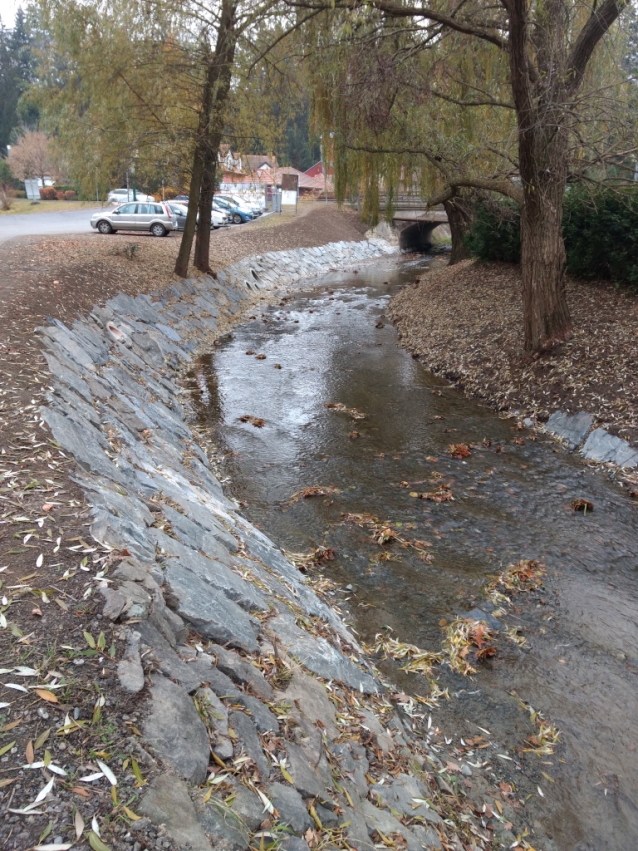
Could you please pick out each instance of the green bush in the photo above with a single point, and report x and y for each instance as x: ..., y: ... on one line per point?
x: 601, y: 234
x: 600, y: 229
x: 20, y: 193
x: 495, y: 233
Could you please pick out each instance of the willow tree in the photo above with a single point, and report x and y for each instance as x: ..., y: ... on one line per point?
x: 118, y: 87
x: 547, y: 46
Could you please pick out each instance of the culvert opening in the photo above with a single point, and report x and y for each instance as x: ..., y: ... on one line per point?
x: 417, y: 237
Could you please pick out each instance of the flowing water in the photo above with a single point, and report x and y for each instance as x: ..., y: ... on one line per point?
x: 511, y: 500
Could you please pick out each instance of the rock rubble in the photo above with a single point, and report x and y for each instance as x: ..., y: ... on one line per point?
x: 268, y: 720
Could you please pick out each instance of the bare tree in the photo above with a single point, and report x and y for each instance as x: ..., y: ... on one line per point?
x: 31, y: 157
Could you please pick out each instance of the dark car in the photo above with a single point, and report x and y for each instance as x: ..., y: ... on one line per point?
x: 239, y: 215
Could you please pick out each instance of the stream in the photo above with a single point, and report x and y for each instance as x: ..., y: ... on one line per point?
x: 332, y: 344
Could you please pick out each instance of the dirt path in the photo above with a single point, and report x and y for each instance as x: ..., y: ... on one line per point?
x: 50, y: 623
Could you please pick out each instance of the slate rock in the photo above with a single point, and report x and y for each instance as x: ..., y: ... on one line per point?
x: 217, y: 717
x: 211, y: 613
x: 477, y: 614
x: 385, y: 822
x: 294, y: 843
x: 354, y: 769
x: 602, y: 446
x: 166, y: 659
x: 242, y: 672
x: 307, y: 781
x: 426, y: 836
x: 129, y: 670
x: 572, y: 428
x: 328, y: 818
x: 167, y: 802
x: 357, y: 830
x: 248, y: 807
x: 114, y: 603
x: 319, y: 656
x: 290, y: 806
x: 399, y: 795
x: 122, y: 533
x: 249, y: 741
x: 213, y: 572
x: 82, y: 444
x: 138, y: 599
x: 311, y: 698
x: 175, y: 730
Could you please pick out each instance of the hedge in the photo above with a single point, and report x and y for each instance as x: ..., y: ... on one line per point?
x: 600, y: 229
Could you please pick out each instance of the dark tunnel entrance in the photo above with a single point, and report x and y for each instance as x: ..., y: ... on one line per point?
x: 417, y: 237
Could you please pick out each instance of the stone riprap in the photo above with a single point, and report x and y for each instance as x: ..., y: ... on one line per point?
x: 263, y: 712
x: 598, y: 445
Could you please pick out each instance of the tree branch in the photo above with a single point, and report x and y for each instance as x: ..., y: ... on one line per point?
x: 598, y: 24
x: 393, y: 11
x: 501, y: 185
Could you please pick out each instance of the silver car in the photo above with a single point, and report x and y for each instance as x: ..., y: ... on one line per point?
x: 156, y: 218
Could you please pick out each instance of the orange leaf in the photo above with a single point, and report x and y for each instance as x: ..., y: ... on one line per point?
x: 82, y: 792
x: 48, y: 506
x: 45, y: 694
x: 29, y: 752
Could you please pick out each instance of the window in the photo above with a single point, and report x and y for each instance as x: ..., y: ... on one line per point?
x: 144, y: 210
x: 158, y: 210
x: 127, y: 209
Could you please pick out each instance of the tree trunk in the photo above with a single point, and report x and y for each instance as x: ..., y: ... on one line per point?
x: 183, y: 256
x: 543, y: 155
x: 211, y: 125
x: 546, y: 317
x: 460, y: 216
x: 202, y: 241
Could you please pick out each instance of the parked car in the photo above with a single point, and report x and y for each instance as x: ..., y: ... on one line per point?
x: 182, y: 198
x: 254, y: 208
x: 156, y: 218
x: 180, y: 211
x: 238, y: 214
x: 118, y: 196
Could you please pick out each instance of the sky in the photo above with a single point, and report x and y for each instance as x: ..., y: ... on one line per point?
x: 8, y: 11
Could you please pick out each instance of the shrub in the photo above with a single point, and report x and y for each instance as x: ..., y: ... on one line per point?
x: 48, y: 193
x: 601, y: 234
x: 20, y: 193
x: 70, y: 195
x: 59, y: 195
x: 600, y: 229
x: 495, y: 232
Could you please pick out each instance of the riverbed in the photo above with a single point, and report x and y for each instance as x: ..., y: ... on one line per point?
x: 314, y: 392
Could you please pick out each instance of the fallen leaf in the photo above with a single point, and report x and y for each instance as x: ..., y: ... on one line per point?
x: 45, y: 694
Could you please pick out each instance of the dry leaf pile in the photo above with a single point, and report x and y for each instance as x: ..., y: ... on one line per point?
x: 465, y: 324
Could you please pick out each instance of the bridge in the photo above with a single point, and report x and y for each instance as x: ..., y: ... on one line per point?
x: 415, y: 226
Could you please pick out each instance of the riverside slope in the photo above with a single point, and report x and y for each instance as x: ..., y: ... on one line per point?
x: 265, y: 717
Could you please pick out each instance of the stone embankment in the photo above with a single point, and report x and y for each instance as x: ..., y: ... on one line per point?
x: 262, y: 716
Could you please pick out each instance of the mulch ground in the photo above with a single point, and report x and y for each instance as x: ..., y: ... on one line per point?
x: 465, y: 323
x: 60, y: 706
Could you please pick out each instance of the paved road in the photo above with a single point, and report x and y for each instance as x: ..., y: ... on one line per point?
x: 35, y: 224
